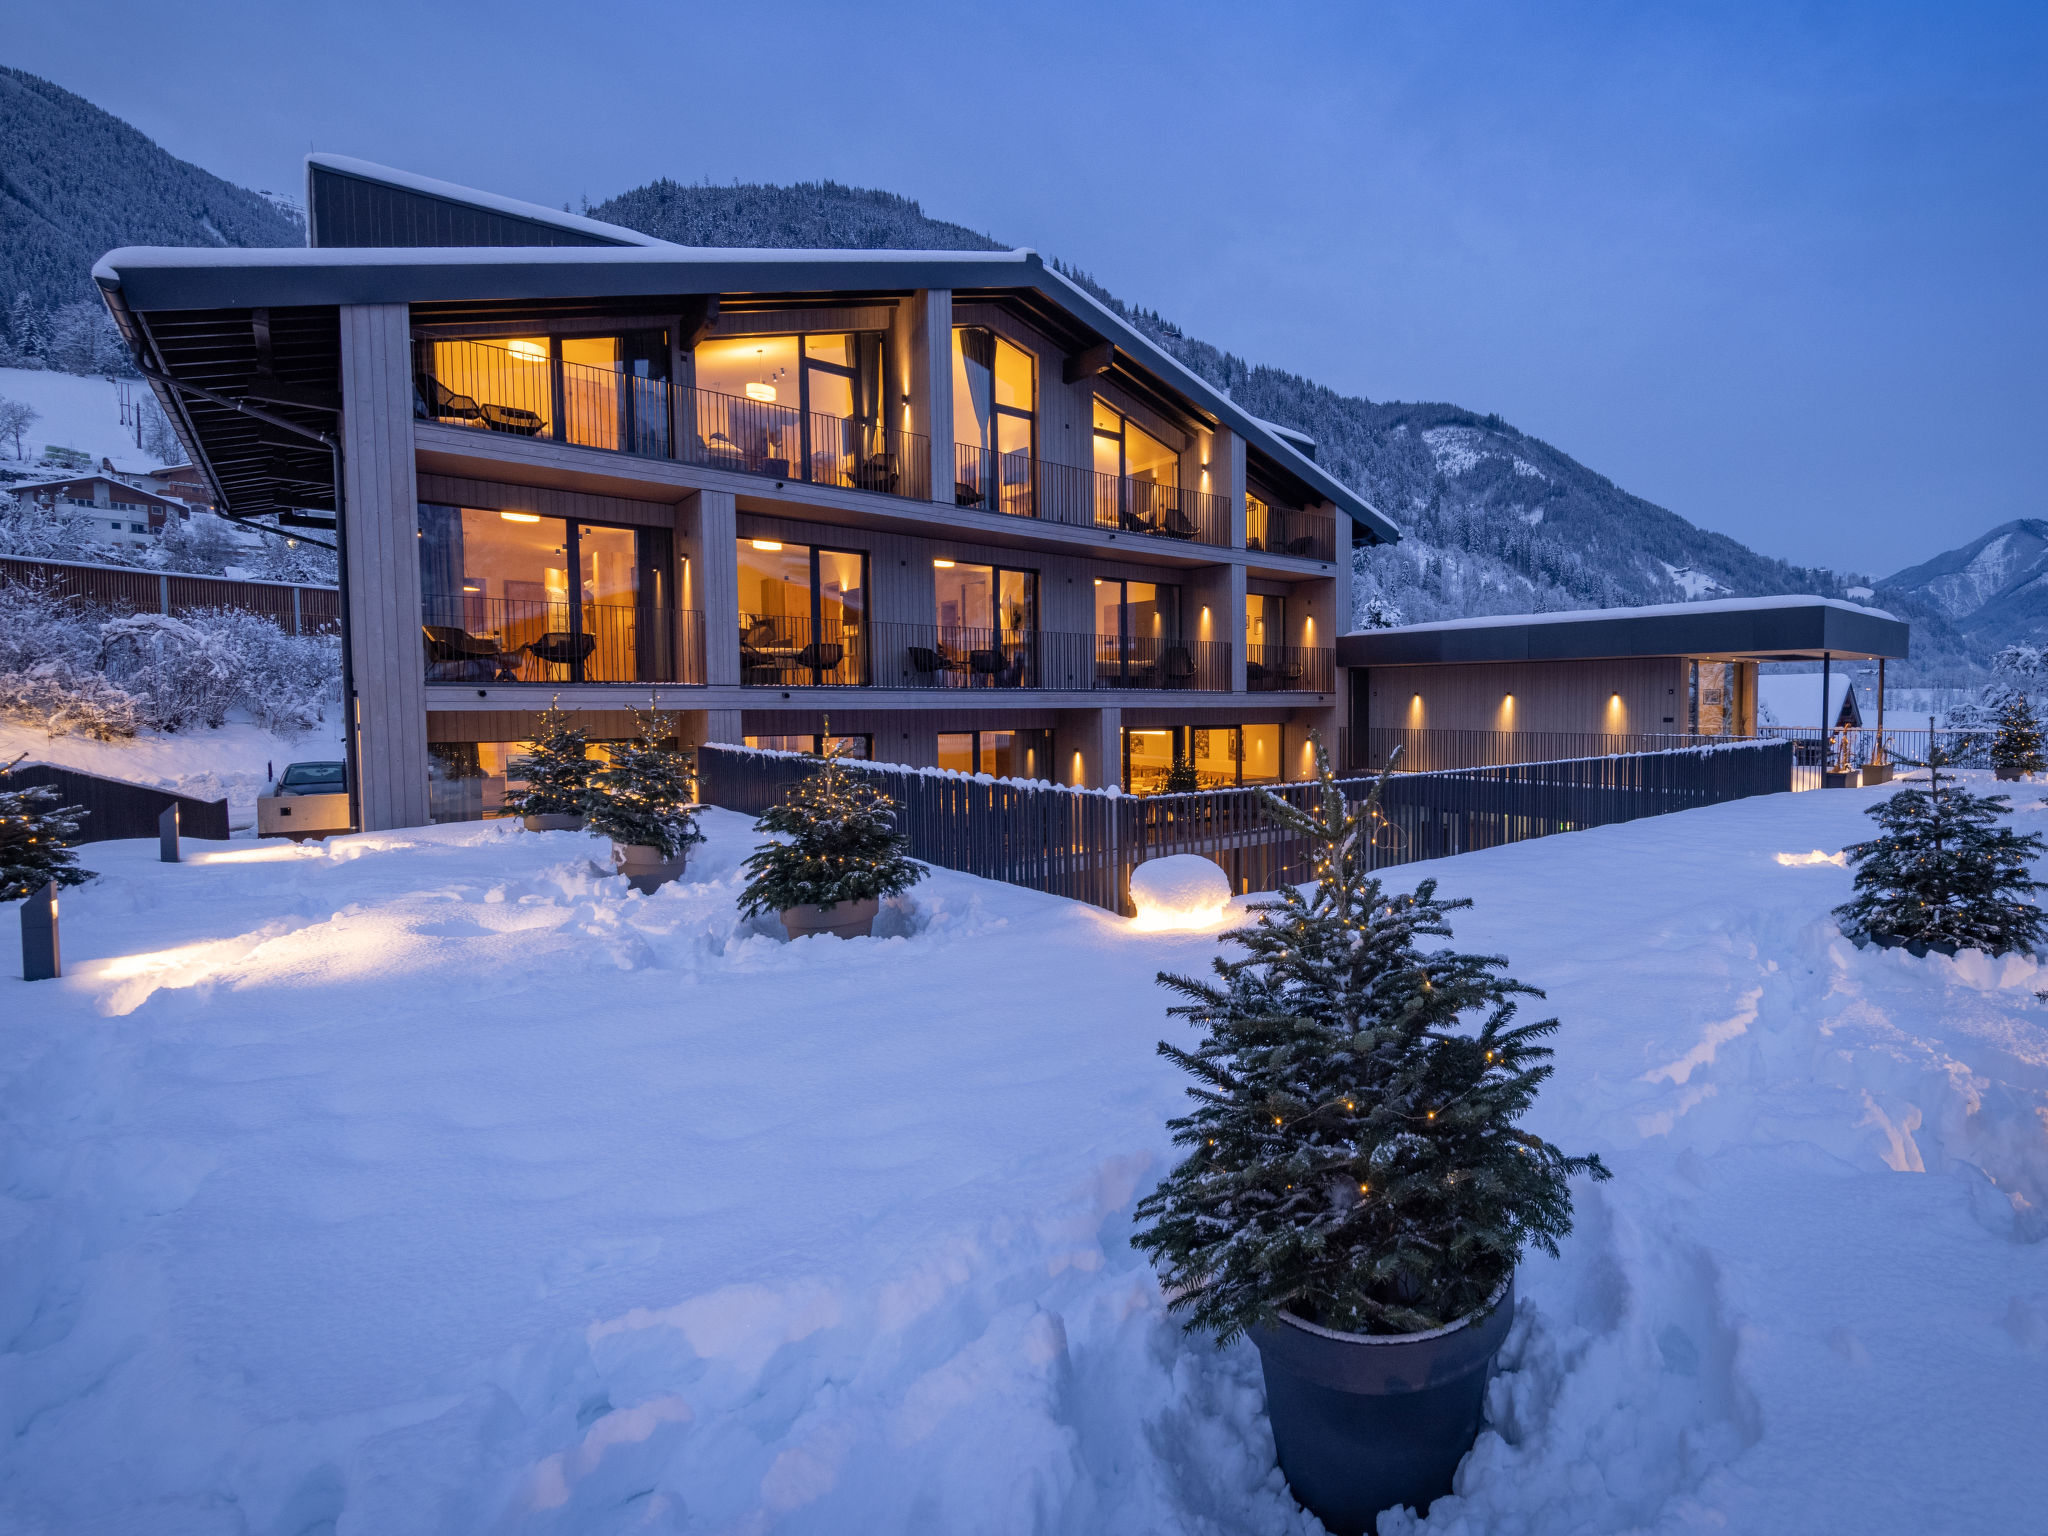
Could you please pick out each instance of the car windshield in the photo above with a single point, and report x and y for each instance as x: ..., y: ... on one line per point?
x: 305, y: 775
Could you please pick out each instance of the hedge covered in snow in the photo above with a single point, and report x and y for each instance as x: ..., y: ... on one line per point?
x: 75, y: 670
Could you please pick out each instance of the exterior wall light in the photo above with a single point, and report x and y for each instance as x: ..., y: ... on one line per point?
x: 520, y: 517
x: 769, y: 545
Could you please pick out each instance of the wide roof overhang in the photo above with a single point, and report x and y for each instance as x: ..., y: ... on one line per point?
x: 209, y: 296
x: 1740, y: 629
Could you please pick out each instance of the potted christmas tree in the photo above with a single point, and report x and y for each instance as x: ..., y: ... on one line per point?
x: 1357, y: 1190
x: 557, y: 768
x: 1943, y: 874
x: 643, y: 800
x: 843, y: 855
x: 2016, y: 749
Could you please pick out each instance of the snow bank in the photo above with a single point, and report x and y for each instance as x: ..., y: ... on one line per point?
x: 430, y: 1181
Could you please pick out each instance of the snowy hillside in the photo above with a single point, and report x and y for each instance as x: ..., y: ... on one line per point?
x: 78, y: 412
x: 428, y: 1182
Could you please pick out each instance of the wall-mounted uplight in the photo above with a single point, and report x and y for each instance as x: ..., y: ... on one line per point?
x: 769, y: 545
x: 470, y: 586
x: 761, y: 392
x: 520, y: 517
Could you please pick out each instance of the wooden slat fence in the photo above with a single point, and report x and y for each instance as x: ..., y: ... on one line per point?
x: 1084, y: 843
x: 115, y: 808
x: 298, y: 610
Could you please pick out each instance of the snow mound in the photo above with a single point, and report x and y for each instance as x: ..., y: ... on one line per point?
x: 1181, y: 890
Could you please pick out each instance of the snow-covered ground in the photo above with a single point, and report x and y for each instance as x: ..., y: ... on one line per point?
x: 82, y: 412
x: 232, y: 762
x: 431, y: 1182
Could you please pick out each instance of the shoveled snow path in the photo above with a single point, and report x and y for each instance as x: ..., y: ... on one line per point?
x: 431, y: 1182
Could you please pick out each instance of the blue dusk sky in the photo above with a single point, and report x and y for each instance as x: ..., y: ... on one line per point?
x: 1778, y: 267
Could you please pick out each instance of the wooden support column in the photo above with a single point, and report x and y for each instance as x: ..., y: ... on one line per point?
x: 386, y: 651
x: 926, y: 320
x: 707, y: 531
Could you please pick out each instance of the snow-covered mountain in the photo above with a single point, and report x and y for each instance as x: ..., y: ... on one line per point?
x: 1993, y: 589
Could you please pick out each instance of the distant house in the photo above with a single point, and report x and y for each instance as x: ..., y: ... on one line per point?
x: 183, y: 481
x: 1793, y: 699
x: 121, y: 512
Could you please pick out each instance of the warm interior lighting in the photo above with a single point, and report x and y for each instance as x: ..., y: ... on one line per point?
x: 770, y: 545
x: 528, y: 351
x: 761, y: 392
x: 520, y: 517
x: 944, y: 565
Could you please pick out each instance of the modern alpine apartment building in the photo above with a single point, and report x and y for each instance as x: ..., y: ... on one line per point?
x: 944, y: 501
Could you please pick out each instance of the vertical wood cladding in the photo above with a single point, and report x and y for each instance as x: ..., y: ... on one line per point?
x: 1547, y: 696
x: 349, y: 211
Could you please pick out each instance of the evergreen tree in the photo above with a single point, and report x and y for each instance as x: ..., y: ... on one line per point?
x: 2017, y: 747
x: 557, y: 769
x: 1943, y: 873
x: 644, y: 795
x: 35, y: 840
x: 1355, y: 1156
x: 1181, y: 778
x: 842, y: 846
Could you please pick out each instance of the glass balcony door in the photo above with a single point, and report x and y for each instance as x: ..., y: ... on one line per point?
x: 803, y: 615
x: 1137, y: 634
x: 986, y: 618
x: 995, y: 422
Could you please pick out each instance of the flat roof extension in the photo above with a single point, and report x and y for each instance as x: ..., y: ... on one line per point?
x: 1730, y: 629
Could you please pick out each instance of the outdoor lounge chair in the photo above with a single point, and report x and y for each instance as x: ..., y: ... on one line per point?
x: 966, y: 494
x: 934, y: 665
x: 454, y: 655
x: 1176, y: 524
x: 558, y: 648
x: 514, y: 419
x: 438, y: 402
x: 876, y: 473
x: 1177, y: 667
x: 820, y: 656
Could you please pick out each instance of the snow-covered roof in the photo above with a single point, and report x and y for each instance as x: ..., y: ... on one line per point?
x: 1787, y: 628
x: 1793, y: 698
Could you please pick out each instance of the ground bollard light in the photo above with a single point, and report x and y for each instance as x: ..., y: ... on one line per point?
x: 167, y: 834
x: 40, y: 956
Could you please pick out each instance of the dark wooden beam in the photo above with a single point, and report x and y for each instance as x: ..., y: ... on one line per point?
x: 1091, y: 364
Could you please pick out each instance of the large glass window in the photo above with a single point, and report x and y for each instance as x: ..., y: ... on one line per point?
x: 803, y: 615
x: 598, y: 391
x: 1003, y: 754
x: 1265, y: 620
x: 1144, y: 493
x: 809, y: 407
x: 987, y: 619
x: 498, y: 604
x: 1137, y: 635
x: 995, y: 416
x: 1221, y: 756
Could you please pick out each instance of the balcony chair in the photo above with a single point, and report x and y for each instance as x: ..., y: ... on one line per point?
x: 559, y: 648
x: 934, y: 665
x: 820, y: 656
x: 966, y: 494
x: 1304, y: 546
x: 1176, y: 525
x: 1176, y: 667
x: 1001, y: 671
x: 436, y: 401
x: 454, y: 655
x: 1134, y: 522
x: 516, y: 420
x: 876, y: 473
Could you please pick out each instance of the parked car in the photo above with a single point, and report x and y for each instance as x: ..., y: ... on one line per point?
x: 307, y: 800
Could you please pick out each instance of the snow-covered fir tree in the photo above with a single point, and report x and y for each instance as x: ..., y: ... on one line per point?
x: 36, y: 834
x: 2016, y: 747
x: 645, y: 796
x: 842, y: 845
x: 1944, y: 873
x: 1354, y: 1153
x: 557, y: 769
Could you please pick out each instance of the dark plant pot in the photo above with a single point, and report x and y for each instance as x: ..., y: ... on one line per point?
x: 1841, y: 778
x: 843, y: 919
x: 2010, y: 775
x: 646, y: 868
x: 556, y: 821
x: 1919, y: 949
x: 1364, y: 1422
x: 1875, y: 774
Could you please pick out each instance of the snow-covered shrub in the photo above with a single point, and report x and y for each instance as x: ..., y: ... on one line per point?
x: 68, y: 700
x: 286, y: 680
x: 193, y: 670
x: 34, y: 531
x: 39, y: 624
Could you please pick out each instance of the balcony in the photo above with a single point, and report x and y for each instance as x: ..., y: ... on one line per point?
x: 493, y: 389
x: 1017, y: 485
x: 474, y: 639
x: 780, y: 652
x: 1289, y: 669
x: 1277, y: 531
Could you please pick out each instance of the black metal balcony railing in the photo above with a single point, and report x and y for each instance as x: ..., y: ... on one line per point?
x: 761, y: 437
x: 495, y: 389
x: 470, y: 638
x: 1289, y: 669
x: 1017, y: 485
x: 1138, y: 662
x: 1277, y: 531
x: 954, y: 657
x: 780, y: 651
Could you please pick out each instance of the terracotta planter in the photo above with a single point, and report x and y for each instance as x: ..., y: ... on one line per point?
x: 1876, y: 773
x: 845, y: 919
x: 1364, y: 1422
x: 555, y: 821
x: 645, y: 867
